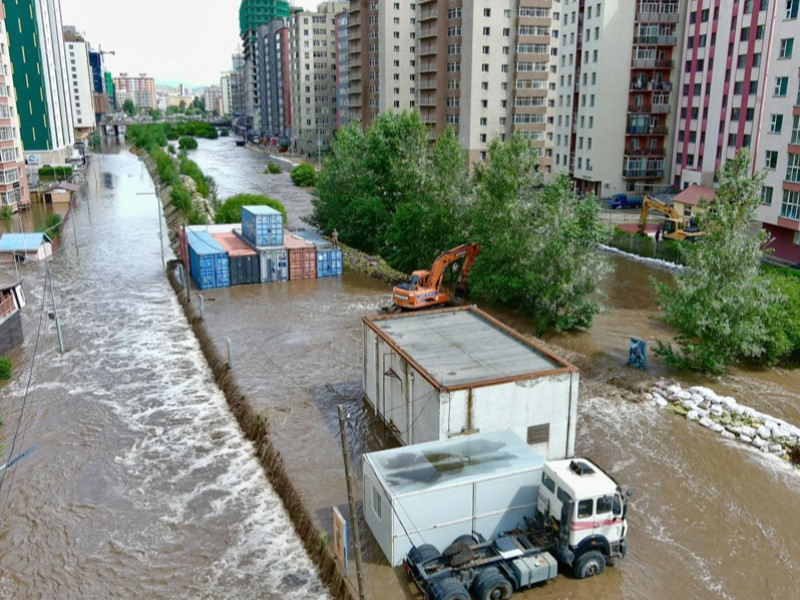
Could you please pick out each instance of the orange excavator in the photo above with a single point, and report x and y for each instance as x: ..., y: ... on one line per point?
x: 425, y: 287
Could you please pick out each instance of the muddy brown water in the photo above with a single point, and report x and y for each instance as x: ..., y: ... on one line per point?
x: 709, y: 518
x: 143, y: 485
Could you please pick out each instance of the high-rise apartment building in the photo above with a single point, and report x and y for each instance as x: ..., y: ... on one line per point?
x: 342, y: 70
x: 212, y: 96
x: 616, y: 92
x: 723, y: 85
x: 237, y: 84
x: 777, y: 152
x: 80, y: 82
x: 252, y: 14
x: 13, y: 176
x: 100, y: 97
x: 274, y: 81
x: 141, y: 90
x: 225, y: 93
x: 313, y: 76
x: 39, y: 66
x: 382, y: 57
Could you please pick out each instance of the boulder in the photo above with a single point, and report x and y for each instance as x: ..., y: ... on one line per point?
x: 759, y: 443
x: 717, y: 428
x: 748, y: 431
x: 660, y: 402
x: 763, y: 432
x: 728, y: 435
x: 683, y: 395
x: 776, y: 448
x: 728, y: 401
x: 745, y: 438
x: 706, y: 422
x: 734, y: 429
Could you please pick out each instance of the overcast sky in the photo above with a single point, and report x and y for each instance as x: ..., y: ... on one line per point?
x: 172, y: 40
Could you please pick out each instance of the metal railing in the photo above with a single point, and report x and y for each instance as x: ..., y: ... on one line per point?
x: 643, y: 172
x: 651, y: 63
x: 656, y: 40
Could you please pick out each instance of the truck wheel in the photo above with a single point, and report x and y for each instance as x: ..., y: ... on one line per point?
x: 491, y: 585
x: 422, y: 554
x: 589, y: 564
x: 459, y: 544
x: 452, y: 589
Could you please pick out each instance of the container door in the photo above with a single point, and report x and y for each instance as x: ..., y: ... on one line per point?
x: 283, y: 265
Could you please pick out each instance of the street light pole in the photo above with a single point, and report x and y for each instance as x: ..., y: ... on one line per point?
x: 160, y: 229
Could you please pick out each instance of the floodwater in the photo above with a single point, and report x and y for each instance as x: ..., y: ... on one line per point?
x: 708, y: 519
x: 32, y: 219
x: 143, y: 485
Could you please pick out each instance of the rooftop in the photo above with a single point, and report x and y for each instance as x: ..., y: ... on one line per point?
x: 22, y: 242
x: 202, y: 243
x: 582, y: 486
x: 694, y: 193
x: 460, y: 347
x: 441, y: 464
x: 261, y: 210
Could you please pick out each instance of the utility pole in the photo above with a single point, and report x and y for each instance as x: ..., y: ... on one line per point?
x: 55, y: 308
x: 351, y: 501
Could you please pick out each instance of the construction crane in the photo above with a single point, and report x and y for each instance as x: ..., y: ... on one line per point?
x: 674, y: 225
x: 425, y: 287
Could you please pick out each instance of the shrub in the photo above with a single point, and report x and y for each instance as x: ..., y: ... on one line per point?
x: 231, y: 209
x: 187, y: 143
x: 59, y: 173
x: 5, y: 368
x: 52, y: 225
x: 5, y: 213
x: 181, y: 198
x: 272, y: 169
x: 304, y: 175
x: 171, y: 148
x: 223, y: 133
x: 190, y: 168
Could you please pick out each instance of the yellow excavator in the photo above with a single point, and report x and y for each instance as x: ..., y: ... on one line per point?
x: 425, y: 288
x: 674, y: 225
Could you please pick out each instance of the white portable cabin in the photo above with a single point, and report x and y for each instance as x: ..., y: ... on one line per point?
x: 433, y: 493
x: 436, y: 374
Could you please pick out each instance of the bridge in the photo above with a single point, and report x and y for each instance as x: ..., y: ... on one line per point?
x: 114, y: 125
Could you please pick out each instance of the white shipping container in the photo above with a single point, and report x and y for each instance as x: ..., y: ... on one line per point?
x: 433, y: 493
x: 436, y: 374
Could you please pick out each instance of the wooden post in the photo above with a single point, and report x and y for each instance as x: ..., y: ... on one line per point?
x: 351, y: 501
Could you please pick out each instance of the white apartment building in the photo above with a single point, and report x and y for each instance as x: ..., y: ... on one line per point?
x: 382, y: 51
x: 226, y: 97
x: 141, y: 90
x: 212, y: 95
x: 777, y: 151
x: 312, y: 69
x: 615, y: 93
x: 13, y: 176
x: 80, y: 81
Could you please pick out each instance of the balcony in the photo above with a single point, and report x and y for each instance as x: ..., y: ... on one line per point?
x: 428, y: 49
x: 431, y: 84
x: 639, y: 152
x: 651, y: 63
x: 657, y: 17
x: 427, y: 15
x: 655, y: 40
x: 427, y: 102
x: 660, y: 109
x: 428, y: 32
x: 428, y: 67
x: 656, y: 173
x: 645, y: 130
x: 650, y: 85
x: 354, y: 63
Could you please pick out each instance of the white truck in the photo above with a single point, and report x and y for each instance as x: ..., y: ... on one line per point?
x: 580, y: 522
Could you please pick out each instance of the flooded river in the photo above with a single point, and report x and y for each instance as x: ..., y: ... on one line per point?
x: 143, y: 485
x: 709, y: 518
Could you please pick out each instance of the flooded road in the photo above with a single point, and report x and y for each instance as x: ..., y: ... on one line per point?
x: 709, y: 518
x: 143, y: 485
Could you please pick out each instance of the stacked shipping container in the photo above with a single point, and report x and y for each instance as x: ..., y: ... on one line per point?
x: 208, y: 260
x: 329, y: 259
x: 262, y: 225
x: 243, y: 261
x: 302, y: 257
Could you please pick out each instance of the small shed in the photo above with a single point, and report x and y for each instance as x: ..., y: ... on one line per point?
x: 60, y: 193
x: 436, y: 374
x: 302, y: 256
x: 243, y: 260
x: 433, y: 493
x: 686, y: 203
x: 25, y: 247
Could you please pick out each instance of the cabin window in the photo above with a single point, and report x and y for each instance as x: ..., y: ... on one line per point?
x: 604, y: 505
x: 539, y: 434
x: 376, y: 502
x: 548, y: 483
x: 585, y: 508
x: 562, y: 496
x: 617, y: 506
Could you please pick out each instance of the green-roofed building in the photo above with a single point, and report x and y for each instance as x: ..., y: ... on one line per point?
x: 39, y: 64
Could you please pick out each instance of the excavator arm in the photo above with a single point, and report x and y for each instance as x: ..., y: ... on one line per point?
x: 470, y: 251
x: 649, y: 204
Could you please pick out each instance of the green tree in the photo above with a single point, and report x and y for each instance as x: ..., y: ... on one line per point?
x: 304, y: 175
x: 721, y: 304
x: 199, y: 104
x: 129, y: 108
x: 5, y: 370
x: 52, y: 226
x: 187, y: 143
x: 155, y: 114
x: 231, y: 210
x: 539, y: 244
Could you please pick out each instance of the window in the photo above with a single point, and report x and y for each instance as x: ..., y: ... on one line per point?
x: 786, y: 48
x: 781, y: 85
x: 548, y: 482
x: 771, y: 161
x: 793, y: 168
x: 539, y: 434
x: 796, y: 238
x: 775, y: 123
x: 790, y: 207
x: 604, y: 505
x: 766, y: 195
x: 376, y: 502
x: 585, y: 508
x: 791, y: 9
x: 487, y: 30
x: 487, y: 12
x: 562, y: 496
x: 795, y: 130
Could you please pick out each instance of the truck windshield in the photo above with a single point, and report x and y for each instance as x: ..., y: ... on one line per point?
x: 604, y: 505
x: 414, y: 279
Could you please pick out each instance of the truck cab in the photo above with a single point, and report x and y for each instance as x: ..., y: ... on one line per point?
x: 625, y: 201
x: 588, y: 509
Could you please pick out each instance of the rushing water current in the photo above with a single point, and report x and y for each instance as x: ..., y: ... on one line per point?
x: 143, y: 485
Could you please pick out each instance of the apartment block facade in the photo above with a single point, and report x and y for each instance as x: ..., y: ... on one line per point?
x: 617, y: 92
x: 274, y: 81
x: 79, y: 73
x: 382, y: 57
x: 777, y: 152
x: 312, y: 65
x: 39, y: 66
x: 141, y: 90
x: 212, y: 96
x: 13, y: 176
x: 342, y: 70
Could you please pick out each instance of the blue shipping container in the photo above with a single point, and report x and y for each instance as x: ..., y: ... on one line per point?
x: 329, y: 262
x: 208, y: 261
x: 262, y: 225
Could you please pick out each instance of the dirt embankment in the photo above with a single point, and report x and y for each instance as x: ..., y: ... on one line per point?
x: 256, y: 427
